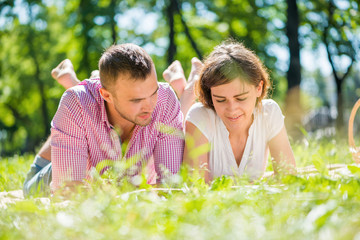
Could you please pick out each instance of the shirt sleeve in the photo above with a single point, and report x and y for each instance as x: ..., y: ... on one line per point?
x: 200, y: 117
x: 169, y: 149
x: 274, y: 118
x: 69, y: 151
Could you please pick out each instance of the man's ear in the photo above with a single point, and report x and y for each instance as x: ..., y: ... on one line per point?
x: 106, y: 95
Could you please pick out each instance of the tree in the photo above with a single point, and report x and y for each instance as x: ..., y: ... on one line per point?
x: 23, y: 78
x: 30, y: 47
x: 334, y: 25
x: 171, y: 10
x: 174, y: 8
x: 293, y: 103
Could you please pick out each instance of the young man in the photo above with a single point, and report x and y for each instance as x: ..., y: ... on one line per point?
x: 97, y: 118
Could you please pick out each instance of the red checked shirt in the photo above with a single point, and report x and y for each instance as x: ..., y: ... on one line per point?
x: 81, y: 136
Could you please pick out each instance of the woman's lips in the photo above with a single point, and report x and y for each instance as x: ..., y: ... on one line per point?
x: 233, y: 119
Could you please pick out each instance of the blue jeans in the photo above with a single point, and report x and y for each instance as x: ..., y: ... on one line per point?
x: 38, y: 178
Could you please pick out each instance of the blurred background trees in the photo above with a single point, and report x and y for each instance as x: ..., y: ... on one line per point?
x: 311, y: 49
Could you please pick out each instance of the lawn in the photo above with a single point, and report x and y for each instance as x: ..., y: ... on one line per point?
x: 323, y: 204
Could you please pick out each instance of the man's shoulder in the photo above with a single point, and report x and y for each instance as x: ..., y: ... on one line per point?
x: 87, y: 90
x: 166, y: 95
x: 80, y: 102
x: 167, y: 105
x: 88, y: 86
x: 164, y: 88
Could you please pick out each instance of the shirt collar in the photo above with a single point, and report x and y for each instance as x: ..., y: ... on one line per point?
x: 104, y: 117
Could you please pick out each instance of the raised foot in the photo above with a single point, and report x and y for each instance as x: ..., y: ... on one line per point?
x: 65, y: 75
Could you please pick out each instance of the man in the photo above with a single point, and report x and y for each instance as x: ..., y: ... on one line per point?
x: 97, y: 118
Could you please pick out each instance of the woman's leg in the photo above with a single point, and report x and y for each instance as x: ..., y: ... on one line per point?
x: 185, y: 91
x: 188, y: 96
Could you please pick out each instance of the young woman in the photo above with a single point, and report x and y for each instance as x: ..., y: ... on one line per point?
x: 234, y: 119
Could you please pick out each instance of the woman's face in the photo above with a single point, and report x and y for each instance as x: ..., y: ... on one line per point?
x: 234, y: 102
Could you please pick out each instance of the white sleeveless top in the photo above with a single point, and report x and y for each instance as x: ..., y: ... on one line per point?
x: 267, y: 124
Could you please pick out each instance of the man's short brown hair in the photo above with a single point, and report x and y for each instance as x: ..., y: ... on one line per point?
x: 124, y: 59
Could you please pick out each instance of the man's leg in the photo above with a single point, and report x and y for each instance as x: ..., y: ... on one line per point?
x: 39, y: 176
x: 174, y: 75
x: 64, y: 74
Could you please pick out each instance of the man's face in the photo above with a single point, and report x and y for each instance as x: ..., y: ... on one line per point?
x: 135, y: 101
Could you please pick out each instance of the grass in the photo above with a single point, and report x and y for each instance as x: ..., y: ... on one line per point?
x: 312, y: 206
x: 13, y: 171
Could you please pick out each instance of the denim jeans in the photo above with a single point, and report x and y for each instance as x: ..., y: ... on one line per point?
x: 38, y: 178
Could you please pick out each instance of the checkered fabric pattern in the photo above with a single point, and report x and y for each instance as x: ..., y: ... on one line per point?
x: 82, y: 137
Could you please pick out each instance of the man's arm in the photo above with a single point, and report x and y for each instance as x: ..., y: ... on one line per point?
x: 69, y: 149
x: 168, y: 151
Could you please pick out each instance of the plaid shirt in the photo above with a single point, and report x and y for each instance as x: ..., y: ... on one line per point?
x: 81, y: 136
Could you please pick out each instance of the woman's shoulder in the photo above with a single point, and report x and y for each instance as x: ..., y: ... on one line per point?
x: 198, y: 109
x: 269, y: 106
x: 268, y: 103
x: 272, y: 118
x: 198, y: 105
x: 203, y: 118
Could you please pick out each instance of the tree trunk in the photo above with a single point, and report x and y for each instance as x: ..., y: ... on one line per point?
x: 340, y: 107
x: 293, y: 108
x: 187, y: 31
x: 338, y: 80
x: 172, y: 47
x: 112, y: 20
x: 83, y: 12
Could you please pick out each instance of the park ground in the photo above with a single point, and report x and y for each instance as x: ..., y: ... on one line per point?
x: 321, y: 203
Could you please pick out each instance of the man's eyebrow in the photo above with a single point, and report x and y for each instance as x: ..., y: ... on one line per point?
x: 139, y: 99
x: 238, y: 95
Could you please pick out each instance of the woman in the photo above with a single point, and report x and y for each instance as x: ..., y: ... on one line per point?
x: 234, y: 119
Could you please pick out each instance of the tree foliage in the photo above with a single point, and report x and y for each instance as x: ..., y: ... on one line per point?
x: 334, y: 25
x: 35, y: 35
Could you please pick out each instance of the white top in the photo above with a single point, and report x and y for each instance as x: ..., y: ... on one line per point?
x: 268, y: 121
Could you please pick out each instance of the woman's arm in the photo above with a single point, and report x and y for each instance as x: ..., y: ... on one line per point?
x: 196, y: 152
x: 282, y: 154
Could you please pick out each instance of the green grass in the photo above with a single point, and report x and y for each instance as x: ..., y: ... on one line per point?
x: 317, y: 206
x: 13, y: 171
